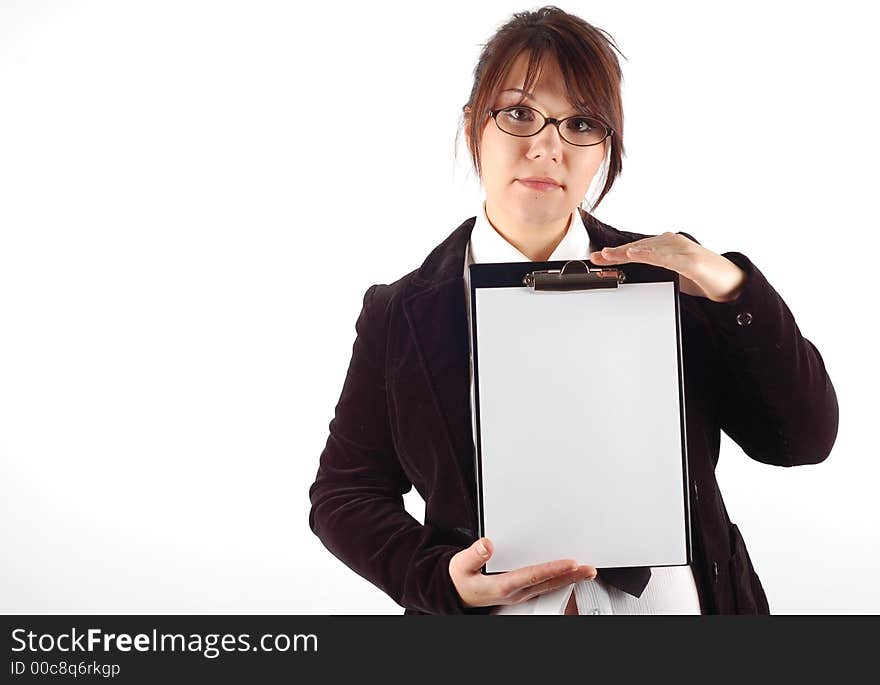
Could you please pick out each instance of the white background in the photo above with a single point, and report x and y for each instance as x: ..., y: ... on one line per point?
x: 191, y: 208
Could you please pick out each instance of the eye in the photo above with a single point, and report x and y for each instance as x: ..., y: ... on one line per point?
x: 581, y: 124
x: 518, y: 113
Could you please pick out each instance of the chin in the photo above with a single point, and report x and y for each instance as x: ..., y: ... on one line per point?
x: 541, y: 212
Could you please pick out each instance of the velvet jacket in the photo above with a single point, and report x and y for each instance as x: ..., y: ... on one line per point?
x: 403, y: 420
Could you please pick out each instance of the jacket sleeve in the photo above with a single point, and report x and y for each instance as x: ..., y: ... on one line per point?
x: 776, y: 400
x: 357, y: 507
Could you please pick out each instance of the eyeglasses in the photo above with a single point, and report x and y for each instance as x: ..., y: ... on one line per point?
x: 522, y: 121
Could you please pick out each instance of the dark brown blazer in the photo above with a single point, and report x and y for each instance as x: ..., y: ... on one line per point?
x: 403, y: 420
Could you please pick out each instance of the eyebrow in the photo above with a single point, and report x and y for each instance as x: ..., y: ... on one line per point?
x: 530, y: 96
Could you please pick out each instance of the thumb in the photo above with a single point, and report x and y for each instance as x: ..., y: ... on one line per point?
x: 481, y: 550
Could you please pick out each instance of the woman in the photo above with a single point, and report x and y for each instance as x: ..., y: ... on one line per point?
x: 544, y: 126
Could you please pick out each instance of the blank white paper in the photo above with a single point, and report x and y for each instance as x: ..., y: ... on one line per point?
x: 579, y: 413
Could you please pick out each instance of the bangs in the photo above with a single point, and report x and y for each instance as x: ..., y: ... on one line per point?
x: 578, y: 75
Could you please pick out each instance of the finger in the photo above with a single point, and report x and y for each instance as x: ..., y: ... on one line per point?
x: 515, y: 581
x: 618, y: 252
x: 669, y: 250
x: 583, y: 573
x: 478, y: 554
x: 598, y: 258
x: 632, y: 252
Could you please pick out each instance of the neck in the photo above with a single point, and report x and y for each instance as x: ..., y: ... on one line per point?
x: 535, y: 240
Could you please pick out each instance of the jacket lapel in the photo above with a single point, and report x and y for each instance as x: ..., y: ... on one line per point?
x: 434, y: 306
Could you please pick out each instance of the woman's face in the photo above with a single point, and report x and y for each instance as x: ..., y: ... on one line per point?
x: 505, y: 158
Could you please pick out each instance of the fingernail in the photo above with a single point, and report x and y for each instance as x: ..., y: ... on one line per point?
x: 481, y: 548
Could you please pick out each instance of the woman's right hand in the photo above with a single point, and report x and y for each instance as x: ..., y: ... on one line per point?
x: 512, y: 587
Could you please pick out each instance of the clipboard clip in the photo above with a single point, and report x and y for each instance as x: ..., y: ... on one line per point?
x: 574, y: 275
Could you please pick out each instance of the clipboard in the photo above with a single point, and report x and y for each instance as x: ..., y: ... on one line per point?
x: 579, y: 405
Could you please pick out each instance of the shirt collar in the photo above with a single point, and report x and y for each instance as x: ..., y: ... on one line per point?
x: 487, y: 245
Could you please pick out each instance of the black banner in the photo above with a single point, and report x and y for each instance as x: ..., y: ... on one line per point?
x: 237, y: 648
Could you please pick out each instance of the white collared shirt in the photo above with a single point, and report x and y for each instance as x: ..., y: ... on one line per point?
x: 671, y: 589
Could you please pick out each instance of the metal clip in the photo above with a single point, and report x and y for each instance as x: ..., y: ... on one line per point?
x: 575, y: 274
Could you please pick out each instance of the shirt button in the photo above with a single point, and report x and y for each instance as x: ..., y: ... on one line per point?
x: 595, y: 612
x: 744, y: 318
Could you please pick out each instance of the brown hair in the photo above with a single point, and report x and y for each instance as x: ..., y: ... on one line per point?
x: 589, y: 68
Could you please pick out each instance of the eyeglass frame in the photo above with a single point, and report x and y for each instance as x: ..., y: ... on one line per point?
x: 550, y: 120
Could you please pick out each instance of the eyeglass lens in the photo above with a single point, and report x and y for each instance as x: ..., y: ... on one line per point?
x: 524, y: 121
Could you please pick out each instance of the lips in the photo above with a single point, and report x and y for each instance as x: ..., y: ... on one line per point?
x: 543, y: 183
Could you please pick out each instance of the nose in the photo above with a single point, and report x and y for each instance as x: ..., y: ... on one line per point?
x: 547, y: 143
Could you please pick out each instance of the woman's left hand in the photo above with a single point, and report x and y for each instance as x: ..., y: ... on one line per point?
x: 702, y: 272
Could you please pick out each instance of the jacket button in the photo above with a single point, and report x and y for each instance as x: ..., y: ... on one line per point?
x: 744, y: 318
x: 715, y: 570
